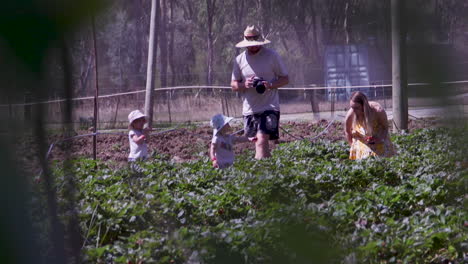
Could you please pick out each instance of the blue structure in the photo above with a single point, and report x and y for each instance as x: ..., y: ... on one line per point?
x: 346, y: 65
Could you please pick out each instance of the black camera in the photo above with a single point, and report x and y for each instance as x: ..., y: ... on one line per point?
x: 258, y: 85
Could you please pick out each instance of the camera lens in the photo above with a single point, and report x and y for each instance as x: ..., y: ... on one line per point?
x: 260, y: 88
x: 258, y: 85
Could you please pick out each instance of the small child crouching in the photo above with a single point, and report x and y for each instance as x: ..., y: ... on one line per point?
x: 221, y: 149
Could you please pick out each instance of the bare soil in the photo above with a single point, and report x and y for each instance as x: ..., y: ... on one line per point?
x: 193, y: 143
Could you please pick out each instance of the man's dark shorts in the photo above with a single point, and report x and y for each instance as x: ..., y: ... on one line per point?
x: 266, y: 122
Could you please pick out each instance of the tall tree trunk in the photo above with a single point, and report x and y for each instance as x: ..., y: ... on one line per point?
x: 307, y: 55
x: 96, y: 90
x: 85, y: 73
x: 265, y: 14
x: 190, y: 14
x: 171, y: 44
x: 138, y: 16
x: 151, y: 68
x: 210, y: 10
x: 316, y: 42
x: 239, y: 10
x: 163, y: 43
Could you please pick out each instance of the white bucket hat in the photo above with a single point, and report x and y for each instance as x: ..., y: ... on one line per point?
x: 218, y: 122
x: 134, y: 115
x: 252, y: 37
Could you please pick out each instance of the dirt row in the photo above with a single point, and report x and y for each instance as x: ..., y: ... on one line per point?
x: 179, y: 145
x: 192, y: 143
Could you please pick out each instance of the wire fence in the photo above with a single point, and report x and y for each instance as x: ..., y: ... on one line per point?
x: 199, y: 103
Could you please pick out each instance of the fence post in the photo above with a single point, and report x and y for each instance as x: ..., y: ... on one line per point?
x: 311, y: 101
x: 116, y: 111
x: 169, y: 99
x: 332, y: 107
x: 384, y: 96
x: 222, y: 102
x: 375, y: 92
x: 226, y: 102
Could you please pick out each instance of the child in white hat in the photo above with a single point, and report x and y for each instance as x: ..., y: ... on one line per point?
x: 221, y: 149
x: 137, y: 136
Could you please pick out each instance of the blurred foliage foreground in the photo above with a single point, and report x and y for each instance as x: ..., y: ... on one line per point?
x: 306, y: 204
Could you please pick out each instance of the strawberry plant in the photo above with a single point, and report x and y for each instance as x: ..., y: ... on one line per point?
x: 307, y: 203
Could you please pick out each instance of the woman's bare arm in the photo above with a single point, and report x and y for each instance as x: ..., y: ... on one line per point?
x: 349, y: 126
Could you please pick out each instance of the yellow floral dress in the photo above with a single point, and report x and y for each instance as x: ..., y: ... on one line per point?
x: 361, y: 150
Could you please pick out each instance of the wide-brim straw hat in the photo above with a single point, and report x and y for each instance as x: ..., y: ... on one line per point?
x: 249, y: 32
x: 134, y: 115
x: 218, y: 122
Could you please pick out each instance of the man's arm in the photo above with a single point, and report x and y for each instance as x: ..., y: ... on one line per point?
x: 282, y: 81
x: 240, y: 86
x: 237, y: 86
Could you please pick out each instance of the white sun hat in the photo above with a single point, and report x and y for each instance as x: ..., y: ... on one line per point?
x: 134, y: 115
x: 218, y: 122
x: 252, y: 37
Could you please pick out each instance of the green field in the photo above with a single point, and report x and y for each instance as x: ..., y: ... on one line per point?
x: 306, y: 204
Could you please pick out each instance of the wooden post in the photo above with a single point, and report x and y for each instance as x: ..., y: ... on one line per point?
x: 96, y: 94
x: 169, y: 97
x: 226, y: 102
x: 311, y: 102
x: 384, y: 97
x: 151, y: 67
x: 332, y: 108
x: 399, y: 79
x: 222, y: 102
x: 116, y: 111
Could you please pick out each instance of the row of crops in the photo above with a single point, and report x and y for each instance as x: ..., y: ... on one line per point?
x: 306, y: 204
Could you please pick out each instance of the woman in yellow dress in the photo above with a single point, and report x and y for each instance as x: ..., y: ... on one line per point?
x: 366, y: 129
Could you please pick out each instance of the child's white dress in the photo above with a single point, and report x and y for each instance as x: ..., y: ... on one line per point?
x: 224, y: 150
x: 137, y: 151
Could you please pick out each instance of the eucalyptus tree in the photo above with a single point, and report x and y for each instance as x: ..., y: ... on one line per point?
x: 82, y: 60
x: 171, y: 29
x: 189, y: 34
x: 163, y: 42
x: 300, y: 19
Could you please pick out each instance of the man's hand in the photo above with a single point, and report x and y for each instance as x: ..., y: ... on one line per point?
x: 249, y: 82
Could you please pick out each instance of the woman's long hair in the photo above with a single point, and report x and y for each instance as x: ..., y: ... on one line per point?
x: 361, y: 98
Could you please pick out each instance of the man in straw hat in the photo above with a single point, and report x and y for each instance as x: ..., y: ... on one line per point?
x: 257, y: 73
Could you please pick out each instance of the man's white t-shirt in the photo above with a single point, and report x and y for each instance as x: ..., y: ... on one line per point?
x: 137, y: 151
x: 266, y: 64
x: 224, y: 150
